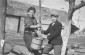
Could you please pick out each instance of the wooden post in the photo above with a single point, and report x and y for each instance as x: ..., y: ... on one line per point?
x: 3, y: 4
x: 21, y: 30
x: 40, y: 11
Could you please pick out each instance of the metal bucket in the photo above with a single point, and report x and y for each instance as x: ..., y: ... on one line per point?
x: 36, y: 43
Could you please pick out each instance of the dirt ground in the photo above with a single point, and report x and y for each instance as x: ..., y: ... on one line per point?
x: 17, y: 40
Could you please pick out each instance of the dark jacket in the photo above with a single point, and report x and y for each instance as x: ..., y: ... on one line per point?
x: 55, y: 33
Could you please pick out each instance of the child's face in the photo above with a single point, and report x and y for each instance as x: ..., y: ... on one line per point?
x: 31, y: 13
x: 53, y: 18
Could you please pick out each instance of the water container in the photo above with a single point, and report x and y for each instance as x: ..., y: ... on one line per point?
x: 36, y: 43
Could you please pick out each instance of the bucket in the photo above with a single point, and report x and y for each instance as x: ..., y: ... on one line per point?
x: 36, y: 43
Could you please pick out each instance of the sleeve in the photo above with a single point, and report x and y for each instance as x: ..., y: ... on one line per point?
x: 56, y: 32
x: 47, y: 31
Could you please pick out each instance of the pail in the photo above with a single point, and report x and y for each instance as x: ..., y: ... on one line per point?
x: 36, y: 43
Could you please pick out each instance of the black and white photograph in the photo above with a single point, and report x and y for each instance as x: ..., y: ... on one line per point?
x: 42, y: 27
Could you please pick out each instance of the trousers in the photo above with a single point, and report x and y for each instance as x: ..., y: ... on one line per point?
x: 28, y: 40
x: 49, y: 47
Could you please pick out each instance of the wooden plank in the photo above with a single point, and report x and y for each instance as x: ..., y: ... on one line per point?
x: 3, y: 4
x: 11, y: 24
x: 21, y: 29
x: 15, y: 11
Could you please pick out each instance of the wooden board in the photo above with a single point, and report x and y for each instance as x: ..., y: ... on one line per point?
x: 11, y: 24
x: 21, y: 29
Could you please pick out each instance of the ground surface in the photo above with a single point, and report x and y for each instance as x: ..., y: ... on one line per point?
x: 17, y: 39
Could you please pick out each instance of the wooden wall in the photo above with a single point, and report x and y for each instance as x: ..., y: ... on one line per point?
x: 14, y: 24
x: 11, y: 24
x: 21, y: 29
